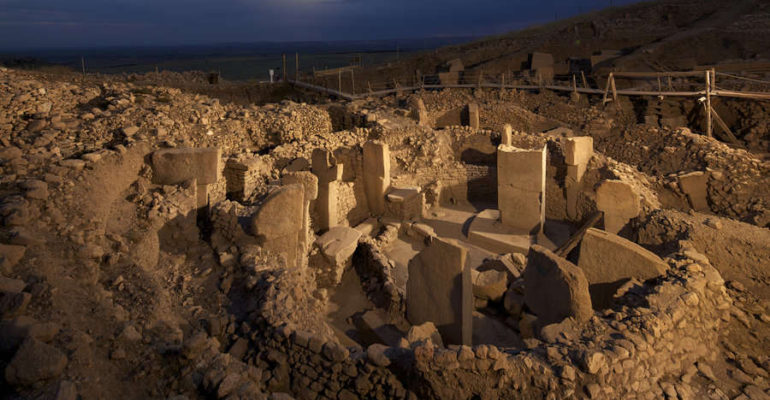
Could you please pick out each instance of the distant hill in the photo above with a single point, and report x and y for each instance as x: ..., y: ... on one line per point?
x: 656, y: 35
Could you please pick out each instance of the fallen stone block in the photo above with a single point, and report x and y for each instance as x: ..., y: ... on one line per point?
x: 695, y: 186
x: 404, y: 203
x: 554, y: 288
x: 424, y: 332
x: 374, y: 328
x: 490, y: 284
x: 608, y: 261
x: 337, y: 246
x: 439, y: 290
x: 619, y: 202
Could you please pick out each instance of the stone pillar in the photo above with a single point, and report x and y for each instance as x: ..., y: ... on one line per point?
x: 439, y: 290
x: 278, y: 222
x: 473, y: 115
x: 695, y: 186
x: 619, y: 202
x: 418, y: 112
x: 327, y: 170
x: 505, y: 138
x: 174, y: 166
x: 376, y: 175
x: 310, y: 184
x: 521, y: 188
x: 577, y: 153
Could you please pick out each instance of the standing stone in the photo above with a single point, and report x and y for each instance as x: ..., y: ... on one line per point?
x: 554, y: 288
x: 418, y: 112
x: 376, y: 175
x: 695, y: 186
x: 619, y: 202
x: 608, y: 261
x: 175, y: 166
x: 329, y: 174
x: 578, y: 151
x: 279, y: 221
x: 473, y: 115
x: 439, y: 290
x: 521, y: 187
x: 310, y: 183
x: 506, y: 137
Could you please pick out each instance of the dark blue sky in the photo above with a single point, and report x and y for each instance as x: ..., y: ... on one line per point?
x: 87, y: 23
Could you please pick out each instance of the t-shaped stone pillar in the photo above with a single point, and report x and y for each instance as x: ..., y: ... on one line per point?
x: 376, y: 175
x: 310, y: 183
x: 174, y: 166
x: 521, y: 188
x: 619, y: 202
x: 577, y: 153
x: 327, y: 170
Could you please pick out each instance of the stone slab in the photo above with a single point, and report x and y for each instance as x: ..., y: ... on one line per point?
x: 339, y: 243
x: 521, y: 187
x: 487, y: 232
x: 620, y: 203
x: 376, y: 175
x: 175, y: 166
x: 473, y: 115
x: 278, y: 222
x: 554, y: 288
x: 695, y: 186
x: 608, y: 260
x: 439, y: 290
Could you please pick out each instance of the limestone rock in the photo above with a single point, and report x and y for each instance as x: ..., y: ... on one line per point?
x: 608, y: 261
x: 619, y: 202
x: 490, y: 285
x: 554, y: 288
x: 423, y: 332
x: 439, y: 290
x: 35, y: 361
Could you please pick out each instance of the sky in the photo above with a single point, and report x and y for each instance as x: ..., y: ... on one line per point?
x: 27, y: 24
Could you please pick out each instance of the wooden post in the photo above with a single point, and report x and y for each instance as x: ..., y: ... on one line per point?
x: 709, y: 132
x: 284, y: 66
x: 352, y: 82
x: 670, y: 84
x: 502, y: 81
x: 614, y: 90
x: 83, y: 65
x: 574, y: 83
x: 660, y: 87
x: 585, y: 81
x: 296, y: 66
x: 607, y: 89
x: 339, y: 81
x: 369, y: 84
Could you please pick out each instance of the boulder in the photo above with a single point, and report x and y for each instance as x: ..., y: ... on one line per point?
x: 10, y: 255
x: 490, y: 284
x: 35, y: 361
x: 424, y: 332
x: 554, y: 288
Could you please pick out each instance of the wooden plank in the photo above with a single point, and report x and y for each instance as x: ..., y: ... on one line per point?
x: 570, y: 244
x: 724, y: 127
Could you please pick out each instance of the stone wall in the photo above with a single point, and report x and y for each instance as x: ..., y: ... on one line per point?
x: 638, y: 350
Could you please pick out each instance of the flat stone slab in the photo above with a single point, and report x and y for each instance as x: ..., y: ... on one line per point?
x: 608, y: 260
x: 400, y: 195
x: 439, y: 290
x: 339, y: 243
x: 487, y: 232
x: 554, y: 288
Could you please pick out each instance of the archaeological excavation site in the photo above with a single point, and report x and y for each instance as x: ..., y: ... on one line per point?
x: 527, y: 216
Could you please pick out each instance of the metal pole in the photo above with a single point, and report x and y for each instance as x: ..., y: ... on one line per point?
x: 339, y: 80
x: 83, y: 65
x: 284, y: 67
x: 708, y: 104
x: 296, y: 65
x: 352, y: 82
